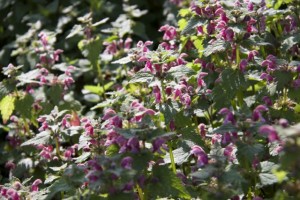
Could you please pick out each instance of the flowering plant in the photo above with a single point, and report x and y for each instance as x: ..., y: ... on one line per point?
x: 207, y: 107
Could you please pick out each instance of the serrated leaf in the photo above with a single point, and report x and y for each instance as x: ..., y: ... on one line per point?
x: 122, y: 61
x: 50, y: 179
x: 83, y: 157
x: 234, y: 178
x: 168, y: 111
x: 180, y: 156
x: 290, y: 42
x: 103, y: 21
x: 192, y: 24
x: 267, y: 166
x: 28, y: 77
x: 75, y: 30
x: 91, y: 49
x: 267, y: 179
x: 7, y: 106
x: 170, y: 183
x: 205, y: 173
x: 41, y: 138
x: 103, y: 104
x: 24, y: 106
x: 247, y: 152
x: 180, y: 71
x: 56, y: 169
x: 142, y: 77
x: 216, y: 46
x: 58, y: 186
x: 4, y: 89
x: 283, y: 79
x: 225, y: 128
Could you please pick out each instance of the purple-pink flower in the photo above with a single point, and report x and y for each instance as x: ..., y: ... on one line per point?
x: 202, y: 158
x: 170, y: 32
x: 270, y: 132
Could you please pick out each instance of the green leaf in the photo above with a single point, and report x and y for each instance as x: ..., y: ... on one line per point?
x: 168, y: 111
x: 233, y: 83
x: 141, y: 160
x: 234, y: 178
x: 91, y: 49
x: 50, y: 179
x: 192, y: 24
x: 267, y: 179
x: 75, y: 30
x: 4, y: 89
x: 41, y: 138
x: 123, y: 61
x: 180, y: 71
x: 139, y: 29
x: 54, y: 94
x: 102, y: 21
x: 247, y: 152
x: 142, y: 77
x: 225, y: 128
x: 58, y: 186
x: 180, y: 156
x: 7, y: 106
x: 283, y: 79
x: 60, y: 168
x: 166, y: 184
x: 24, y: 105
x: 205, y: 173
x: 28, y: 77
x: 290, y: 42
x: 216, y: 46
x: 83, y: 157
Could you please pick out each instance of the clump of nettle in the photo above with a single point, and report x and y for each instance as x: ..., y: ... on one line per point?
x: 211, y: 113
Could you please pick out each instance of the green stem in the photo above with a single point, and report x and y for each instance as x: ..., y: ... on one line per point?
x: 57, y: 147
x: 101, y: 80
x: 163, y: 90
x: 140, y: 192
x: 237, y: 52
x: 172, y: 158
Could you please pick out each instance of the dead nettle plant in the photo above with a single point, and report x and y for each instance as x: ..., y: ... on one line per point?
x: 209, y: 111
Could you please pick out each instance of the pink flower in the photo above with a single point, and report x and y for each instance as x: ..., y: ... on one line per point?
x: 56, y: 54
x: 270, y: 131
x: 157, y: 94
x: 266, y: 77
x: 127, y: 43
x: 172, y: 125
x: 143, y: 46
x: 68, y: 81
x: 43, y: 39
x: 126, y: 162
x: 12, y: 194
x: 157, y: 144
x: 186, y: 100
x: 170, y: 32
x: 229, y: 152
x: 200, y: 80
x: 34, y: 186
x: 243, y: 65
x: 202, y: 158
x: 256, y: 115
x: 229, y: 34
x: 108, y: 113
x: 201, y: 128
x: 251, y: 55
x: 46, y: 152
x: 229, y: 118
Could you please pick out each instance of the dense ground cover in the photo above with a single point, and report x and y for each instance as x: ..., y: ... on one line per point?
x: 172, y: 99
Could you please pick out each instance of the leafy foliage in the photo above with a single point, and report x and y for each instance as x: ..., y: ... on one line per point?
x: 172, y: 99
